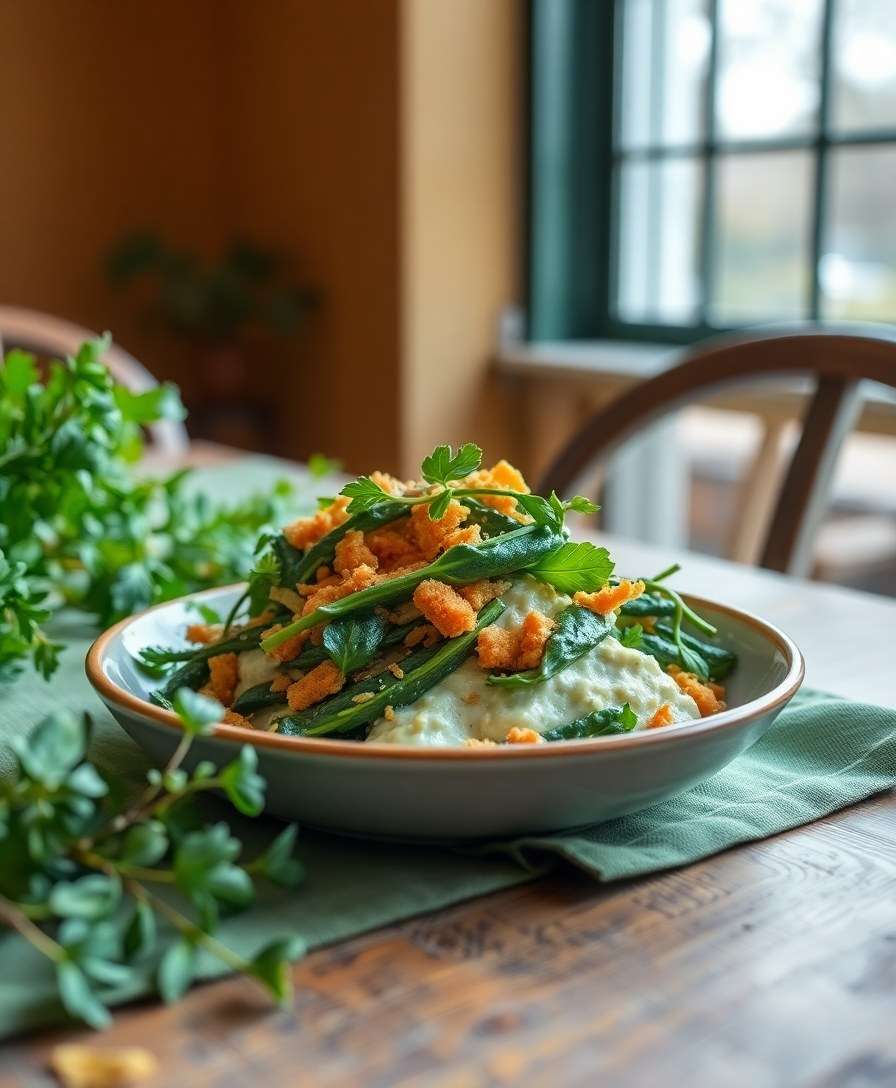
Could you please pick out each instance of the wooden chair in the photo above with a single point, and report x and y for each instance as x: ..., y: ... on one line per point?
x: 837, y: 358
x: 49, y: 336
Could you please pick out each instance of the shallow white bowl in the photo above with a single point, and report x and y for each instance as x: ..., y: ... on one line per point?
x: 417, y: 793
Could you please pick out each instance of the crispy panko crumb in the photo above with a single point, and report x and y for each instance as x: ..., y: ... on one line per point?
x: 233, y: 717
x: 352, y: 552
x: 610, y: 597
x: 362, y: 697
x: 444, y: 607
x: 472, y: 742
x: 393, y: 546
x: 224, y: 675
x: 648, y: 623
x: 323, y: 680
x: 286, y: 651
x: 660, y: 717
x: 511, y: 650
x: 322, y: 573
x: 534, y: 633
x: 281, y: 682
x: 497, y: 647
x: 430, y: 536
x: 523, y: 736
x: 479, y: 594
x: 205, y: 633
x: 361, y: 577
x: 425, y: 635
x: 503, y: 474
x: 708, y: 696
x: 396, y: 670
x: 304, y: 532
x: 81, y: 1066
x: 469, y: 534
x: 389, y: 713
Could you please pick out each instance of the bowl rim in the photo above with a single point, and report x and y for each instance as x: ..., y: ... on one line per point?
x: 112, y: 693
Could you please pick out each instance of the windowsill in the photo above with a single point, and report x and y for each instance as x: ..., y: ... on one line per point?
x: 606, y: 367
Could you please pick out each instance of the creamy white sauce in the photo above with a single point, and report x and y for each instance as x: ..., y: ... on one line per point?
x: 465, y: 706
x: 255, y: 667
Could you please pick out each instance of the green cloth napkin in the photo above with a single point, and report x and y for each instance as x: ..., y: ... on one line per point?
x: 822, y: 754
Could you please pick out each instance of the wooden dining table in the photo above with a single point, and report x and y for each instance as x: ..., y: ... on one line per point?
x: 773, y: 963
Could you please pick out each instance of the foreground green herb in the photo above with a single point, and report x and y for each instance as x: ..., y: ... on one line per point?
x: 600, y: 723
x: 578, y: 631
x: 105, y: 887
x: 76, y: 528
x: 422, y: 670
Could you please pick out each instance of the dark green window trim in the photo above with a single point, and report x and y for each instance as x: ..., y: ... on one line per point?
x: 572, y: 207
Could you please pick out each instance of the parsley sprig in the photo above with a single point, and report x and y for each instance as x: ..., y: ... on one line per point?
x: 444, y: 470
x: 77, y: 528
x: 105, y: 887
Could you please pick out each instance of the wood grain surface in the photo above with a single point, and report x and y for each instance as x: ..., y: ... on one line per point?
x: 773, y: 964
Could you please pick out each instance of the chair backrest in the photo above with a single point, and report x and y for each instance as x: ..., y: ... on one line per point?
x: 838, y: 359
x: 46, y: 335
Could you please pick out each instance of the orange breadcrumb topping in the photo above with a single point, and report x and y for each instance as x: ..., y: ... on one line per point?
x: 479, y: 594
x: 708, y: 696
x: 660, y: 717
x: 396, y: 670
x: 511, y: 650
x: 323, y: 680
x: 444, y: 607
x: 322, y: 573
x: 389, y: 713
x: 360, y: 578
x: 304, y: 532
x: 204, y: 632
x: 393, y: 546
x: 648, y: 623
x: 281, y: 682
x: 497, y: 647
x: 523, y: 736
x: 503, y: 474
x: 430, y: 536
x: 472, y: 742
x: 286, y: 650
x: 425, y: 635
x: 224, y: 675
x: 610, y: 597
x: 352, y: 552
x: 388, y: 483
x: 470, y: 534
x: 232, y: 717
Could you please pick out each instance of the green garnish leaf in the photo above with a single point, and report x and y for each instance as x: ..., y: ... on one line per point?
x: 573, y: 567
x: 353, y: 642
x: 600, y: 723
x: 439, y: 505
x: 444, y: 465
x: 264, y: 575
x: 364, y: 493
x: 631, y: 636
x: 581, y: 505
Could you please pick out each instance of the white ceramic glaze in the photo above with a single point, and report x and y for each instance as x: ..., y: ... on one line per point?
x: 418, y: 793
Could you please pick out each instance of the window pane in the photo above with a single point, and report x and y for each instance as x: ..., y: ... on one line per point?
x: 659, y: 207
x: 761, y: 255
x: 858, y: 269
x: 636, y: 17
x: 864, y: 59
x: 769, y: 61
x: 664, y: 55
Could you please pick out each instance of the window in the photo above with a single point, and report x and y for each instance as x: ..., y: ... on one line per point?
x: 703, y: 164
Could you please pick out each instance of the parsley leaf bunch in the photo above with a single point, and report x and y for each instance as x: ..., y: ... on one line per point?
x: 110, y: 889
x: 77, y: 528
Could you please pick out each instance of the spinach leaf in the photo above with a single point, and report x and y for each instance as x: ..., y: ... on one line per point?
x: 578, y: 631
x: 574, y: 567
x: 352, y: 643
x: 600, y: 723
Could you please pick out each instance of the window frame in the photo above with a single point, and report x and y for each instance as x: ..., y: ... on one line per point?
x: 573, y: 104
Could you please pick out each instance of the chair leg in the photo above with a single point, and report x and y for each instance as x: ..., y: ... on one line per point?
x: 757, y: 495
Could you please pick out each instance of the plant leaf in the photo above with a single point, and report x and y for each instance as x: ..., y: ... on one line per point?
x: 245, y: 788
x: 197, y: 712
x: 600, y: 723
x: 578, y: 631
x: 91, y: 897
x: 176, y: 970
x: 444, y: 465
x: 364, y: 493
x: 574, y: 567
x: 271, y: 967
x: 353, y: 642
x: 78, y: 997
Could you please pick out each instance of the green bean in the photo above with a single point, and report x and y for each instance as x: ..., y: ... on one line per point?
x: 661, y: 645
x: 648, y: 604
x: 422, y: 670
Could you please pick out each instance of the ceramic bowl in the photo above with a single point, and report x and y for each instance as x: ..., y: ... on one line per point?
x: 418, y: 793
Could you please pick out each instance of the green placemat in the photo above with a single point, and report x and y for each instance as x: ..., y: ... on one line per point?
x: 821, y: 755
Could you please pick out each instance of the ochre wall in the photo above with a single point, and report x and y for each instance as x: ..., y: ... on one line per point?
x: 375, y: 141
